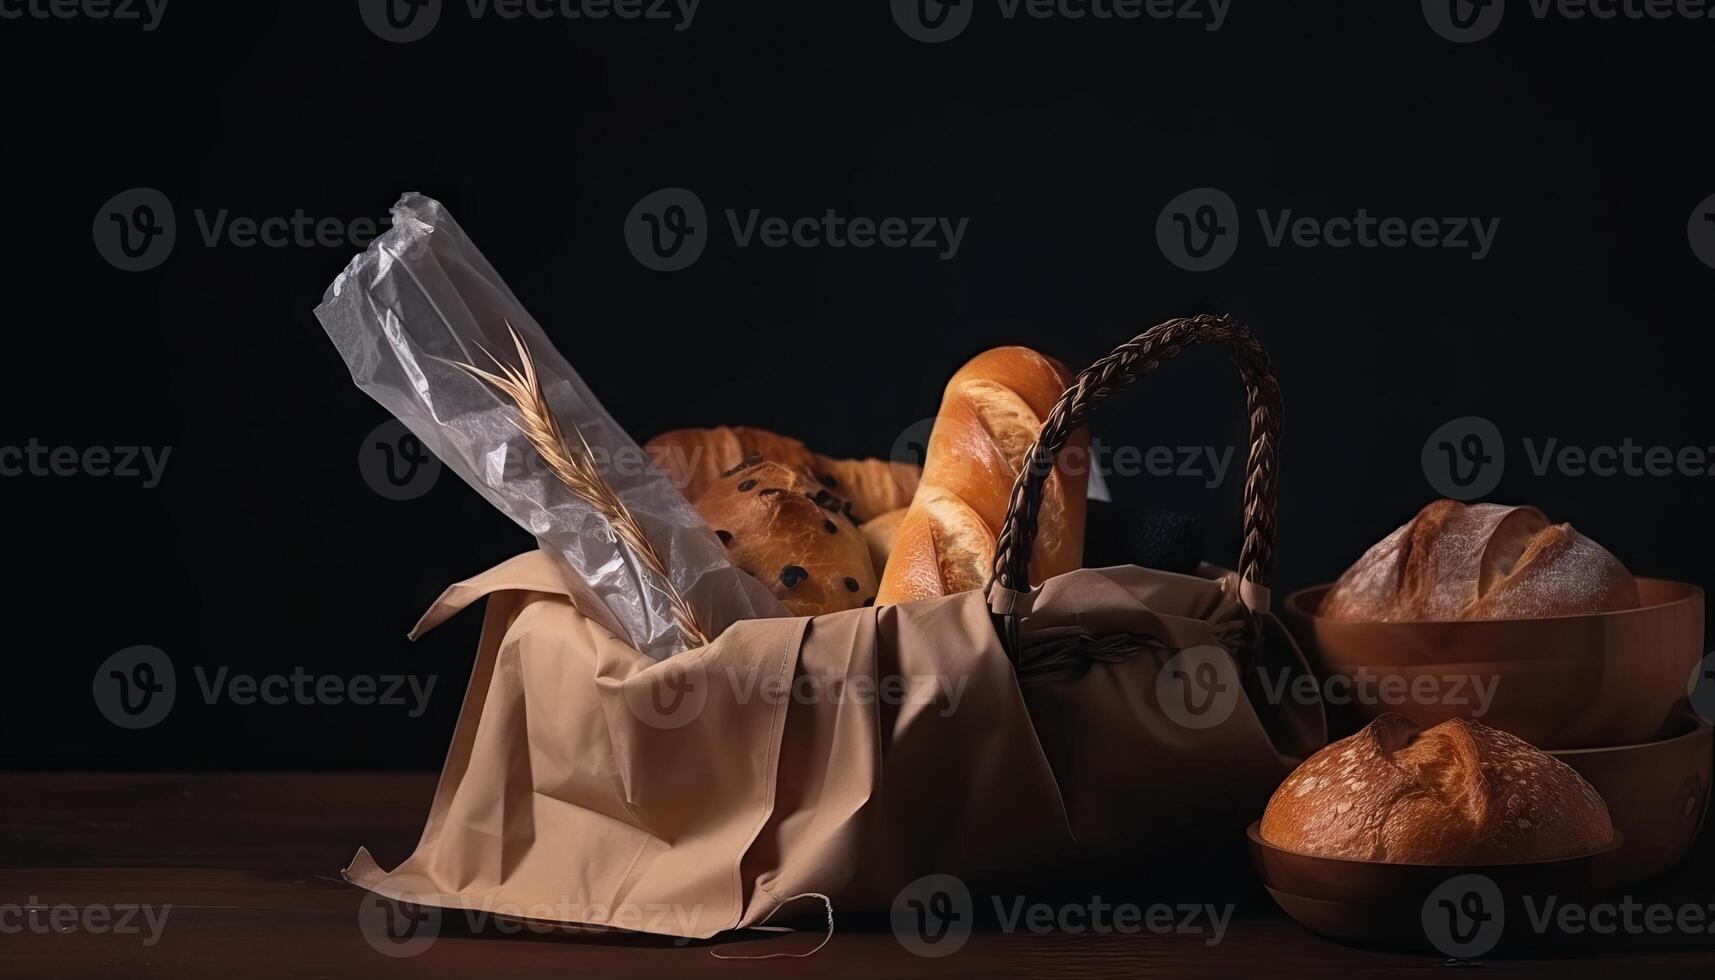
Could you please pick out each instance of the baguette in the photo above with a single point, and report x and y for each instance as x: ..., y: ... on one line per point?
x: 990, y: 415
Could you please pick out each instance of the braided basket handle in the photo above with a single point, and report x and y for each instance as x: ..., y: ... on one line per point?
x: 1129, y: 362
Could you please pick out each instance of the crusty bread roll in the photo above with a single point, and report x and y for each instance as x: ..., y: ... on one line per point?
x: 793, y: 534
x: 990, y: 415
x: 879, y: 532
x: 1459, y: 793
x: 1480, y: 561
x: 694, y: 460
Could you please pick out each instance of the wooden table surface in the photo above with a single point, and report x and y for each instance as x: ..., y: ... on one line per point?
x: 250, y: 867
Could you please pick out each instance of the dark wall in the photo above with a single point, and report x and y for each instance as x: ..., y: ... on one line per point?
x: 263, y: 549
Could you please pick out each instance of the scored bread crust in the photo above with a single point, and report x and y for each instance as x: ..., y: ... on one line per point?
x: 1480, y: 561
x: 1458, y: 793
x: 990, y: 415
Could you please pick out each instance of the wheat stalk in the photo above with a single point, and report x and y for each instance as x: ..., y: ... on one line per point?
x: 574, y: 467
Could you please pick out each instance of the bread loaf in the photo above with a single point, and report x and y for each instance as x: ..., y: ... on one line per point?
x: 990, y: 414
x: 880, y: 532
x: 793, y: 534
x: 694, y: 460
x: 1459, y: 793
x: 1480, y: 561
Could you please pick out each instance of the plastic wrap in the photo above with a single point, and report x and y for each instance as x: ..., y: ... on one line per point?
x: 421, y: 293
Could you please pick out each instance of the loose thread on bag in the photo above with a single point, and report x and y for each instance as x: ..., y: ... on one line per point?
x: 827, y: 903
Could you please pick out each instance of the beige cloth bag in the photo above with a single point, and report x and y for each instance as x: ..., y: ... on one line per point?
x: 849, y: 754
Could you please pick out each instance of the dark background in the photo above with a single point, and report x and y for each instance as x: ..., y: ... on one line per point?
x: 263, y: 549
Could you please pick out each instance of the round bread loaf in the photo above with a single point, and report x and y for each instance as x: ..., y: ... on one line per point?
x: 793, y: 534
x: 1459, y: 793
x: 1480, y: 561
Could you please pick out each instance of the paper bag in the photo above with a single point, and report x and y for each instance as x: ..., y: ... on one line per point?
x: 844, y: 755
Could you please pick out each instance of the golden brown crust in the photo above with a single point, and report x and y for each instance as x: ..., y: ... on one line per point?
x: 990, y: 414
x: 1480, y: 561
x: 1459, y: 793
x: 792, y: 534
x: 880, y: 533
x: 694, y: 460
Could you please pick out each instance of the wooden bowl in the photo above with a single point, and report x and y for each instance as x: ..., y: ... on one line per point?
x: 1657, y: 794
x: 1558, y: 682
x: 1374, y: 903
